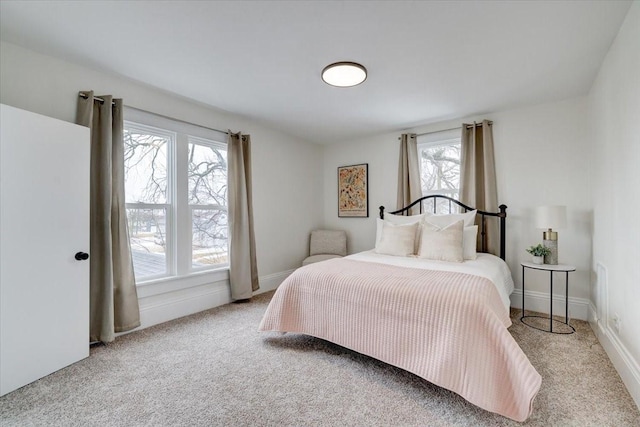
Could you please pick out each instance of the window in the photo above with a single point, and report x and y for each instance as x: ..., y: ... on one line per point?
x: 176, y: 197
x: 148, y: 198
x: 439, y: 157
x: 207, y: 173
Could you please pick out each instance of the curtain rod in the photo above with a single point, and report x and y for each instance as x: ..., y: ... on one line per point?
x: 446, y: 130
x: 436, y: 131
x: 95, y: 98
x: 177, y: 120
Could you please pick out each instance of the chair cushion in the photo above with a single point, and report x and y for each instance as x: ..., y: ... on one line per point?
x: 318, y: 258
x: 328, y: 242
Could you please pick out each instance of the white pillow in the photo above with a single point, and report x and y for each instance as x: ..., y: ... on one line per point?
x: 398, y: 240
x: 403, y: 219
x: 469, y: 242
x: 470, y: 232
x: 396, y: 220
x: 442, y: 221
x: 443, y: 244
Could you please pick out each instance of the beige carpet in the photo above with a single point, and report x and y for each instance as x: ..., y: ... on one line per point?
x: 215, y: 369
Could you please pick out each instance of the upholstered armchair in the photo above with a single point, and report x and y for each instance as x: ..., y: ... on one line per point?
x: 326, y: 244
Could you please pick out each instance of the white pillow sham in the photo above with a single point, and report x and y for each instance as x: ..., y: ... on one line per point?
x: 403, y: 219
x: 397, y: 220
x: 442, y: 221
x: 398, y: 240
x: 470, y: 232
x: 442, y: 244
x: 469, y: 242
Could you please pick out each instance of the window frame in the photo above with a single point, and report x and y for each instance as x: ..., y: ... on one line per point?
x: 168, y: 206
x: 178, y: 229
x: 438, y: 139
x: 220, y: 146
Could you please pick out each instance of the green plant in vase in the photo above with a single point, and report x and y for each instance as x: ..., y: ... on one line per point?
x: 539, y: 252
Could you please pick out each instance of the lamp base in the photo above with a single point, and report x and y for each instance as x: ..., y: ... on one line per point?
x: 552, y: 258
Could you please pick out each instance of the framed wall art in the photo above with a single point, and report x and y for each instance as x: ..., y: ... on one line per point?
x: 353, y: 188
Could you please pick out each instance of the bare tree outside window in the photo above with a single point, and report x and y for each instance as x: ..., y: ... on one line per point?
x: 146, y: 193
x: 151, y: 204
x: 440, y: 170
x: 207, y: 171
x: 145, y: 159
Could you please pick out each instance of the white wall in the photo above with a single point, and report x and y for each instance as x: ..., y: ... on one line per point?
x: 541, y: 158
x: 381, y: 154
x: 583, y: 153
x: 614, y: 103
x: 287, y: 175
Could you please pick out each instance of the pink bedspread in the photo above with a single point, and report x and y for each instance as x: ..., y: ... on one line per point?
x: 448, y: 328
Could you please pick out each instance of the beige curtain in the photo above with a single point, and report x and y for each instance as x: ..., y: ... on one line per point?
x: 243, y: 268
x: 478, y: 186
x: 113, y: 297
x: 409, y: 183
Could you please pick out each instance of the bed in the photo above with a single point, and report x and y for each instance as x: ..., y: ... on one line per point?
x: 427, y: 299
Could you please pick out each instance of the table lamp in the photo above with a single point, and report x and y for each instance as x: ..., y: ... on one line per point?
x: 548, y: 218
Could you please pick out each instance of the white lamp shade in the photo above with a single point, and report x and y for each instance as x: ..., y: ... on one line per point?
x: 553, y: 217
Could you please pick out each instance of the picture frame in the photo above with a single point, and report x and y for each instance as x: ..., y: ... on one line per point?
x: 353, y: 191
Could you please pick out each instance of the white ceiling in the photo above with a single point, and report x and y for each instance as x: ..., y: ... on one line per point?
x: 428, y: 61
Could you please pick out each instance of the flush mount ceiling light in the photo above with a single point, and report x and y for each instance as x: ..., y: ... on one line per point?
x: 344, y: 74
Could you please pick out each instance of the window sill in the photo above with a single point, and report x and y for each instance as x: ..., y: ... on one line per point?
x: 176, y: 283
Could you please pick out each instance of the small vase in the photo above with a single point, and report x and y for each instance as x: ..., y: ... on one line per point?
x: 538, y: 259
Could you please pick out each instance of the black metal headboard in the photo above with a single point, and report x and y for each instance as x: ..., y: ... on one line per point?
x: 434, y: 198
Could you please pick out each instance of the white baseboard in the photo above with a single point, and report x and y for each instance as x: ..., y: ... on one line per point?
x: 539, y: 301
x: 173, y: 305
x: 583, y: 309
x: 627, y: 367
x: 272, y: 281
x: 160, y: 308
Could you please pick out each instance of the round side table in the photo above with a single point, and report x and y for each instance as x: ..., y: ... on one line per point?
x: 562, y: 268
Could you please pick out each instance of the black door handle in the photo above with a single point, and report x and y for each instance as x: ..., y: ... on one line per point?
x: 82, y: 256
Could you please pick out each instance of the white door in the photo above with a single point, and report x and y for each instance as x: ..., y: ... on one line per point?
x: 44, y: 222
